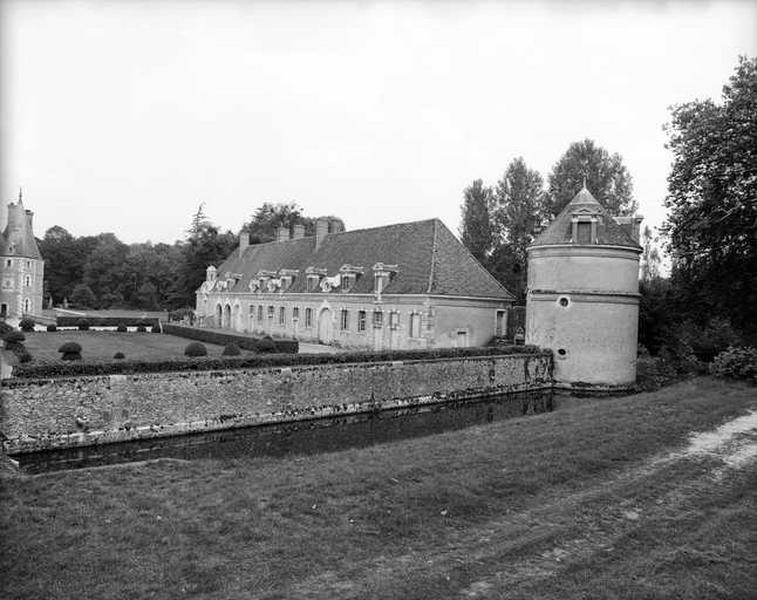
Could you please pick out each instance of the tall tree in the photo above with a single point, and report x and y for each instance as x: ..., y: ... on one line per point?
x: 605, y: 174
x: 64, y: 262
x: 476, y: 228
x: 103, y: 272
x: 650, y: 256
x: 519, y: 206
x: 712, y: 202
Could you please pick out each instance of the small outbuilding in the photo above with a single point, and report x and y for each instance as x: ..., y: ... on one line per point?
x: 583, y: 295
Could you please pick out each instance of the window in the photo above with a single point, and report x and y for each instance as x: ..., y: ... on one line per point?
x: 313, y: 283
x: 415, y: 325
x: 583, y: 232
x: 270, y: 311
x: 8, y: 262
x: 296, y: 313
x: 378, y: 319
x: 260, y: 312
x: 394, y: 319
x: 308, y: 317
x: 282, y: 315
x: 252, y: 311
x: 361, y: 320
x: 345, y: 320
x: 28, y: 264
x: 27, y: 281
x: 27, y: 305
x: 500, y: 323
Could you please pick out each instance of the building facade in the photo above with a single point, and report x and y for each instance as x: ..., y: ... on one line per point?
x: 583, y: 295
x: 21, y: 266
x: 411, y: 285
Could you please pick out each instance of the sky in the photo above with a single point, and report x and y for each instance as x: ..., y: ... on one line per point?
x: 124, y: 116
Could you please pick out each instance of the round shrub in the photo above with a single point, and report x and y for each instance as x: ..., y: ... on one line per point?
x: 5, y: 328
x: 231, y: 349
x: 52, y: 328
x: 266, y: 344
x: 83, y: 325
x: 119, y: 356
x: 736, y: 363
x: 23, y: 355
x: 121, y: 328
x: 70, y: 351
x: 196, y: 349
x: 141, y: 328
x: 26, y: 324
x: 13, y: 337
x: 155, y: 329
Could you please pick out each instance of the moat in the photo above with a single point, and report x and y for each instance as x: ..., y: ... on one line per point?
x: 299, y: 437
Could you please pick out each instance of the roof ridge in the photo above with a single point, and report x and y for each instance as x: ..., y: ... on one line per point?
x: 382, y: 226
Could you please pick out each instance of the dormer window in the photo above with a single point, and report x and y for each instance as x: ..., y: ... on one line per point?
x: 286, y: 278
x: 584, y: 228
x: 382, y: 276
x: 348, y: 276
x: 313, y: 278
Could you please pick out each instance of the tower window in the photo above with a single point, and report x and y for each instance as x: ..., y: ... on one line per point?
x: 583, y: 232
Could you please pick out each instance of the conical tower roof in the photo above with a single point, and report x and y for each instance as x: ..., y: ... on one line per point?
x: 560, y: 230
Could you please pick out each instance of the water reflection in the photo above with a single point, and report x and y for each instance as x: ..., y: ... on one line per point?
x: 302, y: 437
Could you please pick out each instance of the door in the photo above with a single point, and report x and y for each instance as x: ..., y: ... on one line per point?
x: 325, y: 327
x: 501, y: 324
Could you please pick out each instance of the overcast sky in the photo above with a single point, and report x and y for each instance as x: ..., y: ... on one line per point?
x: 124, y: 116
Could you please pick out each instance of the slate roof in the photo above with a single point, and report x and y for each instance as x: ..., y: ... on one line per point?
x: 20, y: 240
x: 429, y: 259
x: 560, y: 230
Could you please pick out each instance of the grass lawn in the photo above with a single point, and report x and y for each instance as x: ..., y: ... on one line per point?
x: 597, y: 500
x: 102, y: 345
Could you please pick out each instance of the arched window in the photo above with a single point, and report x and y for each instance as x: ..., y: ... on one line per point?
x: 27, y: 305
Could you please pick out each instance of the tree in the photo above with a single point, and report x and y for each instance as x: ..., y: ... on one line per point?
x: 83, y: 297
x: 269, y: 217
x: 650, y: 256
x: 712, y: 201
x: 199, y: 220
x: 476, y: 229
x: 519, y: 206
x: 604, y: 173
x: 65, y: 257
x: 103, y: 272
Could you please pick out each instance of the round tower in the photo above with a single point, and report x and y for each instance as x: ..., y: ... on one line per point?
x: 583, y: 295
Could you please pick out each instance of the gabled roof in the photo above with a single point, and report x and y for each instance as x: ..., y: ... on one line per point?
x: 560, y: 230
x: 429, y: 259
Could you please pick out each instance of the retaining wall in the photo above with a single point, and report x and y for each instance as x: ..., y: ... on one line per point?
x: 82, y: 411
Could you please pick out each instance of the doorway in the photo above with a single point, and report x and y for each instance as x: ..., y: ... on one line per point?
x: 325, y: 326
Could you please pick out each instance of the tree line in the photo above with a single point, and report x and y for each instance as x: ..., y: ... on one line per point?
x: 103, y: 272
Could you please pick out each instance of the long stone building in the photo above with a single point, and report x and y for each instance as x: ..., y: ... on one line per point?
x: 411, y: 285
x: 21, y: 266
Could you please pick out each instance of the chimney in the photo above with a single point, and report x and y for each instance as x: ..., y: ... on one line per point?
x: 299, y: 231
x: 282, y: 234
x: 321, y: 231
x: 244, y: 241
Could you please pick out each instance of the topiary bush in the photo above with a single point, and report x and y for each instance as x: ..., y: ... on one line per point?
x: 195, y: 349
x: 70, y: 351
x: 83, y: 324
x: 23, y: 355
x: 5, y: 328
x: 52, y: 328
x: 231, y: 349
x: 13, y: 338
x: 119, y: 356
x: 155, y: 329
x: 121, y: 328
x: 737, y: 362
x: 266, y: 344
x: 26, y: 324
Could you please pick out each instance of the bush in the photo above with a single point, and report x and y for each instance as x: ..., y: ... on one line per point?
x: 155, y: 329
x: 26, y: 324
x: 245, y: 342
x: 737, y: 362
x: 119, y: 356
x: 5, y: 328
x: 52, y: 328
x: 13, y: 337
x: 267, y: 344
x: 196, y: 349
x: 231, y: 349
x: 71, y: 351
x: 23, y: 355
x: 121, y: 328
x: 82, y: 324
x: 63, y: 321
x: 141, y: 328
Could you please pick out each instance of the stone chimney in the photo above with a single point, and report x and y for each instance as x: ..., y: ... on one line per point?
x: 321, y: 231
x: 298, y: 231
x: 244, y: 241
x: 282, y: 234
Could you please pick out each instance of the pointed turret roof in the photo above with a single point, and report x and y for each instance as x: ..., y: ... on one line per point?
x: 560, y: 230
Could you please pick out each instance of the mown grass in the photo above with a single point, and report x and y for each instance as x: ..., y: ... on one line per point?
x: 102, y: 345
x: 471, y: 511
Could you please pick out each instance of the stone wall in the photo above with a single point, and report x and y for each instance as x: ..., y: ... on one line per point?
x: 81, y: 411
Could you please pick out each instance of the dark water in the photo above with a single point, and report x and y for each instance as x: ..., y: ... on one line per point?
x: 301, y: 437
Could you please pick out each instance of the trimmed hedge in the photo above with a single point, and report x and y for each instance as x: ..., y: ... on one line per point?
x: 26, y: 324
x: 43, y: 371
x: 231, y: 349
x: 243, y: 341
x: 62, y: 321
x: 195, y: 349
x: 52, y: 328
